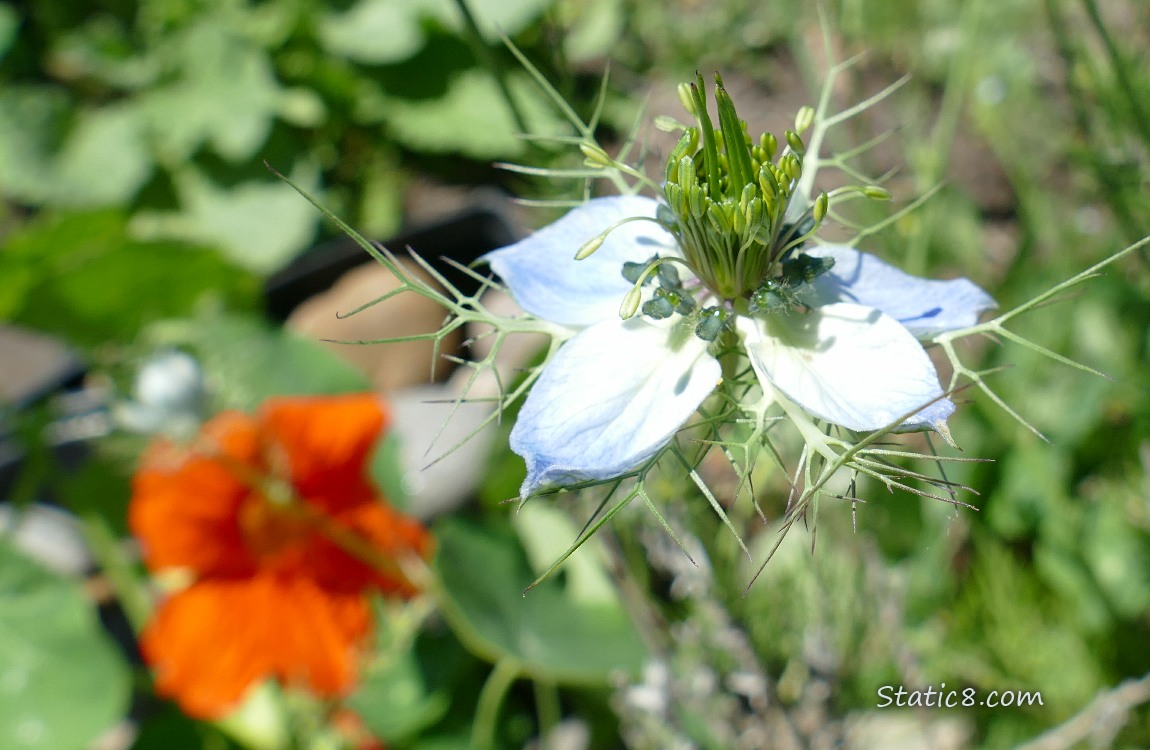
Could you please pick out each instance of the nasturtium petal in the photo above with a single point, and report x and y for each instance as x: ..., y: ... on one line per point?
x: 848, y: 364
x: 926, y: 307
x: 610, y: 398
x: 543, y: 276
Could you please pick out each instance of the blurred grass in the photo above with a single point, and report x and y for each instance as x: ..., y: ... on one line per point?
x: 1031, y: 117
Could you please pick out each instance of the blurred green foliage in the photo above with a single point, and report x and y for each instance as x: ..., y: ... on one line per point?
x: 61, y: 677
x: 132, y: 141
x: 167, y: 112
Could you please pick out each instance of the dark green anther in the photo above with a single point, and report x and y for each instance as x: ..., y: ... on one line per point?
x: 633, y: 271
x: 667, y: 301
x: 803, y: 269
x: 685, y: 304
x: 775, y: 295
x: 712, y: 321
x: 669, y: 276
x: 658, y: 307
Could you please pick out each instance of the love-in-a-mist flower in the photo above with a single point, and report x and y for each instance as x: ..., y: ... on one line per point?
x: 273, y: 520
x: 718, y: 267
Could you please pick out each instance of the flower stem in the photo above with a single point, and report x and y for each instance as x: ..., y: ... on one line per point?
x: 491, y: 697
x: 483, y: 52
x: 546, y: 705
x: 113, y: 563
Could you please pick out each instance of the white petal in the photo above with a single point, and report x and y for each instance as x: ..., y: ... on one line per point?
x: 545, y: 279
x: 849, y: 365
x: 926, y: 307
x: 610, y: 398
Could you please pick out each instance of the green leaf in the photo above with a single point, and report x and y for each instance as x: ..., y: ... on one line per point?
x: 9, y: 25
x: 379, y: 32
x: 62, y: 682
x: 376, y: 32
x: 258, y: 225
x: 33, y: 123
x: 470, y: 118
x: 105, y: 159
x: 227, y: 96
x: 247, y: 361
x: 82, y: 276
x: 592, y: 27
x: 387, y: 471
x: 551, y: 632
x: 48, y: 154
x: 394, y: 702
x: 1119, y: 557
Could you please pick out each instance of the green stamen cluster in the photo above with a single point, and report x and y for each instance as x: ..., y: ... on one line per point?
x: 671, y: 297
x: 729, y: 196
x: 782, y: 292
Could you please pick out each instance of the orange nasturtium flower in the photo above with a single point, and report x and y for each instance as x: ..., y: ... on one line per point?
x: 284, y: 537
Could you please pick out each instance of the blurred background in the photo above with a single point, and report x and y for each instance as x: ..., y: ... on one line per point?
x: 141, y: 227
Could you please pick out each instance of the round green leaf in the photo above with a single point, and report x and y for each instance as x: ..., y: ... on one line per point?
x: 394, y: 701
x: 62, y: 681
x: 551, y: 632
x: 247, y: 361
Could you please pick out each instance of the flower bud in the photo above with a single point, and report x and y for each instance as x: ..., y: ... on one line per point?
x: 804, y: 119
x: 590, y: 246
x: 770, y: 144
x: 596, y: 156
x: 686, y: 168
x: 668, y: 124
x: 697, y: 200
x: 875, y: 193
x: 630, y: 304
x: 822, y: 203
x: 796, y: 143
x: 793, y: 166
x: 676, y: 198
x: 718, y: 218
x: 686, y: 97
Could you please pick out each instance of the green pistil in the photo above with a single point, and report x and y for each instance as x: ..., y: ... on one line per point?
x: 729, y: 195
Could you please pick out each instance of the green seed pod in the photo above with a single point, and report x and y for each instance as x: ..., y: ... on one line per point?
x: 795, y: 142
x: 596, y: 156
x: 804, y: 118
x: 718, y: 218
x: 687, y: 176
x: 697, y: 200
x: 769, y: 144
x: 793, y: 167
x: 768, y: 183
x: 822, y: 204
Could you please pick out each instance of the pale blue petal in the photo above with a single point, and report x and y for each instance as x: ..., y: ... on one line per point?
x: 611, y: 397
x: 927, y: 307
x: 849, y: 365
x: 545, y: 279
